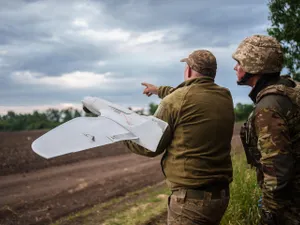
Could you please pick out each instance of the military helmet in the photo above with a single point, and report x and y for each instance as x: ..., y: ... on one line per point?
x: 259, y: 54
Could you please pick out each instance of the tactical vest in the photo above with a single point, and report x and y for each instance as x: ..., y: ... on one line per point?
x: 248, y: 134
x: 293, y: 93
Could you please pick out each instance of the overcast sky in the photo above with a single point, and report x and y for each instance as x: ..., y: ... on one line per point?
x: 53, y: 53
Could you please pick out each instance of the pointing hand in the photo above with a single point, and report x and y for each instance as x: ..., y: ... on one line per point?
x: 150, y: 89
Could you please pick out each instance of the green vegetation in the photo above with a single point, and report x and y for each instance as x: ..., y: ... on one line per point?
x: 285, y: 18
x: 37, y: 120
x: 52, y: 117
x: 152, y: 108
x: 134, y: 208
x: 242, y: 111
x: 142, y: 211
x: 242, y: 209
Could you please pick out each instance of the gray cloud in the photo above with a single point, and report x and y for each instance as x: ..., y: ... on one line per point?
x: 134, y: 41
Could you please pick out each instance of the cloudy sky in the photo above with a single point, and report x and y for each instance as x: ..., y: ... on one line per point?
x: 53, y: 53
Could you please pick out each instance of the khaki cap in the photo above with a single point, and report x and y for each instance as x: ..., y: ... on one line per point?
x: 202, y: 61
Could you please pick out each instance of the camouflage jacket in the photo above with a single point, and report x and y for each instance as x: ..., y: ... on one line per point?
x: 271, y: 139
x: 197, y: 142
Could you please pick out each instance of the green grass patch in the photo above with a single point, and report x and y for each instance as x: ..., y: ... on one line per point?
x: 143, y: 210
x: 244, y: 197
x: 122, y: 210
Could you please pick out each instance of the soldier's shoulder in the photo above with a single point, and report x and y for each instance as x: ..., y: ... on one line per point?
x: 276, y: 102
x: 218, y: 86
x: 225, y: 90
x: 179, y: 93
x: 175, y: 98
x: 221, y: 89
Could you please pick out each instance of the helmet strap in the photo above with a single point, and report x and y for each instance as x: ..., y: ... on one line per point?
x: 244, y: 79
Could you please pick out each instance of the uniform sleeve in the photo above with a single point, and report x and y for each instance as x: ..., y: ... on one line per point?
x: 276, y: 159
x: 164, y: 113
x: 163, y: 91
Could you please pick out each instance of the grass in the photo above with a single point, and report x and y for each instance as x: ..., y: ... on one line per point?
x: 244, y: 197
x: 142, y: 211
x: 121, y: 210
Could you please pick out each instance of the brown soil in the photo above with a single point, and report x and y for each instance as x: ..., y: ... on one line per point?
x: 16, y: 155
x: 66, y: 185
x: 43, y: 196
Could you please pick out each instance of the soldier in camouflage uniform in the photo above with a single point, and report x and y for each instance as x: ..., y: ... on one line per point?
x: 271, y: 135
x: 197, y: 143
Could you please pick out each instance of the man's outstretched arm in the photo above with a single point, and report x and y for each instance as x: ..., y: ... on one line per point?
x: 161, y: 91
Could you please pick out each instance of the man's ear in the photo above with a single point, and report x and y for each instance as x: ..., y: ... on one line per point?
x: 189, y: 72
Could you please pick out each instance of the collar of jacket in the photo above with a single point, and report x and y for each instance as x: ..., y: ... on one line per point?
x: 198, y: 80
x: 266, y: 81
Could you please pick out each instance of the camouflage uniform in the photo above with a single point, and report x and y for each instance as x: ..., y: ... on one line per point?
x: 196, y: 146
x: 271, y: 135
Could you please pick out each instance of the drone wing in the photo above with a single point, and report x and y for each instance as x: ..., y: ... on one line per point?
x: 79, y: 134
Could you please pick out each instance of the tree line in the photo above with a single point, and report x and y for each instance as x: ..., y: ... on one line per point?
x: 53, y: 117
x: 37, y: 120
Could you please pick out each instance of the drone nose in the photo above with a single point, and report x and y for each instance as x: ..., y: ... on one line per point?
x: 88, y: 101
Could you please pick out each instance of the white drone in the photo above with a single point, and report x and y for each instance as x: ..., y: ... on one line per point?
x: 112, y: 124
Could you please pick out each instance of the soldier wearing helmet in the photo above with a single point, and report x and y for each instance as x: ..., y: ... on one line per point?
x: 271, y: 135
